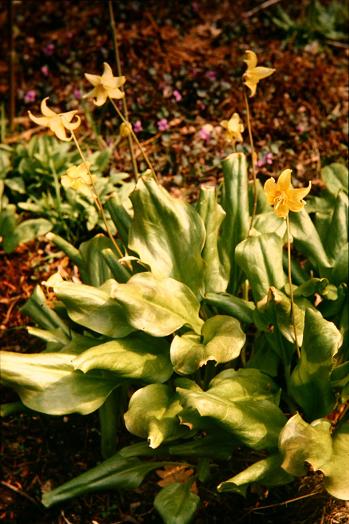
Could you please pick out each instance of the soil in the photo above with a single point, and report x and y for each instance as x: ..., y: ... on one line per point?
x: 196, y: 50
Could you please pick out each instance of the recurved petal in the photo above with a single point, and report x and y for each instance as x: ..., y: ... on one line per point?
x: 100, y: 97
x: 115, y: 93
x: 40, y: 120
x: 258, y: 73
x: 281, y: 210
x: 46, y: 111
x: 72, y: 125
x: 120, y: 80
x: 107, y: 72
x: 252, y: 85
x: 93, y: 79
x: 284, y: 180
x: 295, y: 197
x: 270, y: 189
x: 250, y: 59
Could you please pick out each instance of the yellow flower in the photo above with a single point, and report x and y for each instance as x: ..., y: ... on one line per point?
x: 283, y: 196
x: 57, y: 122
x: 125, y: 129
x: 234, y: 127
x: 105, y: 86
x: 77, y: 177
x: 253, y: 73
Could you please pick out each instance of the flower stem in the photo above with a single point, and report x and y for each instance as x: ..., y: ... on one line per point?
x: 118, y: 67
x: 293, y: 320
x: 254, y: 174
x: 134, y: 137
x: 97, y: 200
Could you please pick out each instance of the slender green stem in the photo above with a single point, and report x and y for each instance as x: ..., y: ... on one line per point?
x: 134, y: 137
x: 118, y: 67
x: 58, y: 195
x: 290, y: 285
x: 254, y: 174
x: 97, y: 200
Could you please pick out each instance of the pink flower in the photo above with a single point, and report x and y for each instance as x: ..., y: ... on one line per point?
x: 205, y: 132
x: 162, y: 124
x: 30, y: 96
x: 265, y: 160
x: 177, y: 95
x: 77, y: 94
x: 137, y: 126
x: 45, y: 70
x: 49, y: 49
x: 211, y: 75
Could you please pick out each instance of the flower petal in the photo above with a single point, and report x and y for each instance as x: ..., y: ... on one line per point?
x: 95, y: 80
x: 46, y: 111
x: 270, y: 189
x: 56, y: 125
x: 281, y: 210
x: 284, y: 180
x: 40, y: 120
x: 252, y: 86
x: 250, y: 59
x: 115, y: 93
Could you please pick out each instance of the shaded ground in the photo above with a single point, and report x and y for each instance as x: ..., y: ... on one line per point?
x: 195, y: 50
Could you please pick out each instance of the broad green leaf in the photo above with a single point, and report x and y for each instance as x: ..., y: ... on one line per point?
x: 176, y: 503
x: 221, y: 341
x: 152, y: 414
x: 218, y: 445
x: 16, y: 184
x: 95, y: 268
x: 336, y: 470
x: 120, y: 216
x: 269, y: 223
x: 264, y: 357
x: 340, y: 380
x: 301, y: 442
x: 67, y: 248
x: 167, y: 234
x: 275, y: 310
x: 14, y: 234
x: 335, y: 177
x: 212, y: 214
x: 42, y: 314
x: 340, y: 272
x: 239, y: 402
x: 310, y: 287
x: 337, y: 233
x: 236, y: 207
x: 158, y: 306
x: 310, y: 380
x: 267, y: 472
x: 307, y: 240
x: 134, y: 357
x: 260, y: 257
x: 47, y: 382
x: 234, y: 306
x: 114, y: 473
x: 93, y: 308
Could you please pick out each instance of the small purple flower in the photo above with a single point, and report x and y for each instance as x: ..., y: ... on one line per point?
x: 49, y: 49
x: 265, y: 160
x: 162, y: 124
x: 45, y: 71
x: 177, y: 95
x: 30, y: 96
x: 137, y: 126
x: 77, y: 94
x: 211, y: 75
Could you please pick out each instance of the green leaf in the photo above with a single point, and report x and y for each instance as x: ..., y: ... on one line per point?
x: 212, y: 214
x: 47, y: 382
x: 337, y: 233
x: 152, y: 414
x: 176, y: 503
x: 310, y: 287
x: 134, y: 357
x: 234, y: 306
x: 167, y: 234
x: 335, y: 177
x: 340, y: 272
x: 114, y: 473
x: 42, y: 314
x: 241, y: 402
x: 310, y: 381
x: 221, y: 341
x: 95, y: 268
x: 260, y: 257
x: 236, y: 207
x: 24, y: 232
x: 158, y: 306
x: 336, y: 470
x: 302, y: 230
x: 93, y: 308
x: 267, y: 472
x: 301, y: 442
x: 217, y: 445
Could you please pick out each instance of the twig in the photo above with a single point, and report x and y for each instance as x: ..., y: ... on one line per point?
x: 118, y: 67
x: 285, y: 502
x: 19, y: 491
x: 11, y: 59
x: 264, y: 5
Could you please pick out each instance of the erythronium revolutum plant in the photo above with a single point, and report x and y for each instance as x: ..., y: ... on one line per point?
x: 154, y: 336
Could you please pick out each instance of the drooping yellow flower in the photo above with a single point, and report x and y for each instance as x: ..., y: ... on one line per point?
x: 234, y: 127
x: 283, y: 196
x: 57, y: 122
x: 125, y: 129
x: 105, y: 86
x: 77, y: 177
x: 253, y: 73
